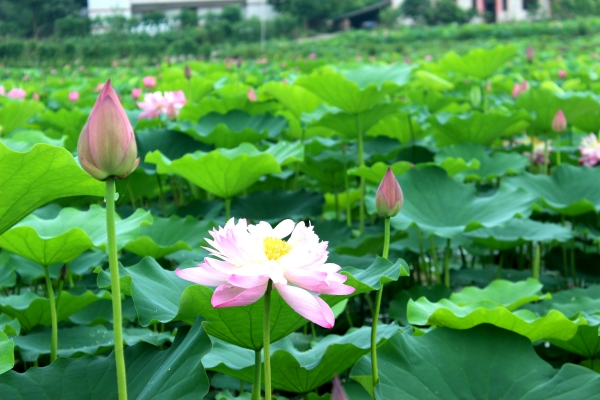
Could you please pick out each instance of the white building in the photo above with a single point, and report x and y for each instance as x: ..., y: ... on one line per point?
x: 128, y: 8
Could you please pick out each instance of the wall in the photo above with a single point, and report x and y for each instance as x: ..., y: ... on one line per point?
x: 103, y: 8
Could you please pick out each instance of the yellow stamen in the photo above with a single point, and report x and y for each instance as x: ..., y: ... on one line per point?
x: 276, y: 248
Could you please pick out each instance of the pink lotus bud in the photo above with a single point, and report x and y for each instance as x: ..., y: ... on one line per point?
x: 559, y: 122
x: 136, y: 93
x: 16, y: 93
x: 312, y: 56
x: 488, y: 87
x: 562, y: 74
x: 187, y: 72
x: 2, y: 91
x: 529, y: 54
x: 516, y: 90
x: 73, y: 96
x: 252, y: 95
x: 171, y: 112
x: 149, y: 82
x: 99, y: 87
x: 337, y: 390
x: 428, y: 57
x: 389, y: 197
x: 36, y: 96
x: 106, y: 145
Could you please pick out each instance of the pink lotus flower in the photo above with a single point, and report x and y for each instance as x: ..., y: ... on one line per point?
x: 529, y: 54
x: 252, y: 95
x: 246, y: 257
x: 389, y: 198
x: 559, y: 122
x: 155, y: 104
x: 16, y: 93
x: 590, y: 150
x: 135, y: 93
x: 2, y: 91
x: 106, y: 145
x: 562, y: 74
x: 312, y: 56
x: 519, y: 88
x: 73, y: 96
x: 149, y: 82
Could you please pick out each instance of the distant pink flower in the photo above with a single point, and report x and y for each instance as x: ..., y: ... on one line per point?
x: 149, y: 82
x: 428, y: 57
x: 16, y: 93
x: 519, y: 88
x: 559, y: 122
x: 36, y: 96
x: 99, y: 87
x: 406, y: 60
x: 246, y: 257
x: 135, y: 93
x: 529, y: 54
x: 115, y: 64
x: 562, y: 74
x: 590, y: 150
x: 252, y: 95
x: 73, y: 96
x: 26, y: 77
x: 536, y: 156
x: 312, y: 56
x: 52, y: 71
x: 156, y: 103
x: 2, y: 91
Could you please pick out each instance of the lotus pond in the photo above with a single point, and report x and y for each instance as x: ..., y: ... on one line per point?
x: 484, y: 284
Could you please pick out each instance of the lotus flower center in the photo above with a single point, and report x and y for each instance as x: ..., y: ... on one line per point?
x: 276, y: 248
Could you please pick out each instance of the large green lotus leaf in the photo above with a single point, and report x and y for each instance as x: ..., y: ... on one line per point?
x: 9, y: 325
x: 80, y: 340
x: 399, y: 126
x: 64, y: 122
x: 586, y: 342
x: 295, y: 98
x: 100, y: 313
x: 553, y: 325
x: 568, y: 191
x: 397, y: 308
x: 432, y: 81
x: 346, y: 124
x: 479, y: 63
x: 490, y: 166
x: 511, y: 295
x: 482, y: 363
x: 168, y: 235
x: 233, y: 128
x: 29, y: 180
x: 222, y: 172
x: 161, y: 296
x: 277, y: 205
x: 441, y: 206
x: 61, y: 239
x: 7, y: 353
x: 411, y: 242
x: 476, y: 127
x: 337, y: 90
x: 15, y: 114
x: 32, y: 310
x: 544, y: 104
x: 294, y: 370
x: 23, y: 141
x: 520, y: 231
x: 175, y: 373
x: 375, y: 173
x: 382, y: 76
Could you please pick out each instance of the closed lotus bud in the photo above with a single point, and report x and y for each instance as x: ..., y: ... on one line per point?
x: 187, y: 72
x: 337, y: 390
x: 562, y: 74
x: 106, y: 145
x: 559, y: 122
x: 73, y: 96
x: 529, y: 54
x: 389, y: 197
x: 135, y: 93
x: 149, y: 82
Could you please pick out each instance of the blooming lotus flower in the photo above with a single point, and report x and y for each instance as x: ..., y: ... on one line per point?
x: 149, y: 82
x: 135, y: 93
x: 16, y: 93
x: 529, y: 54
x: 562, y: 74
x: 156, y: 103
x: 106, y: 145
x: 559, y: 122
x: 252, y: 95
x: 590, y: 150
x: 245, y: 257
x: 73, y: 96
x: 389, y: 198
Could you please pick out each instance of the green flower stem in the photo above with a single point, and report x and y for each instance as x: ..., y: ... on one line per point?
x: 54, y: 337
x: 374, y: 367
x: 438, y: 275
x: 361, y: 162
x: 447, y: 264
x: 536, y: 262
x: 422, y: 257
x: 257, y: 373
x: 546, y: 157
x: 347, y: 189
x: 227, y: 209
x: 267, y: 340
x: 558, y: 151
x: 115, y: 286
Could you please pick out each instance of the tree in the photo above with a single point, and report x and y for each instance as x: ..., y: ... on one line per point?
x: 36, y: 18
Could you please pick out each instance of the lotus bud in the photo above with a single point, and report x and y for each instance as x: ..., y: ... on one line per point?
x: 136, y: 93
x: 562, y: 74
x: 252, y: 95
x: 106, y: 145
x: 149, y: 82
x: 529, y: 54
x: 337, y: 390
x: 559, y: 122
x: 187, y: 72
x: 389, y: 197
x: 73, y: 96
